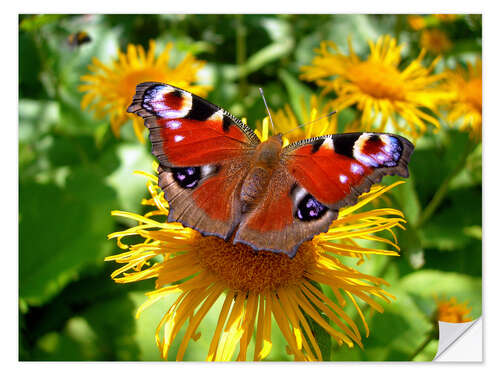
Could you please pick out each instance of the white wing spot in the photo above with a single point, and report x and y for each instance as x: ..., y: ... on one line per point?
x: 328, y: 143
x: 299, y: 193
x: 174, y: 124
x: 358, y: 153
x: 207, y: 170
x: 217, y: 116
x: 356, y: 168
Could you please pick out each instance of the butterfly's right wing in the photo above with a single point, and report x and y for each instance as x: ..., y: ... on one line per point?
x: 336, y: 169
x: 317, y: 177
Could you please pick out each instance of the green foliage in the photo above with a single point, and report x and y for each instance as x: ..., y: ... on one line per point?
x: 52, y: 248
x: 73, y: 172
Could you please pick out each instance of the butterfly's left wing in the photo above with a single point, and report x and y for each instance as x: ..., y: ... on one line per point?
x: 317, y: 177
x: 203, y: 151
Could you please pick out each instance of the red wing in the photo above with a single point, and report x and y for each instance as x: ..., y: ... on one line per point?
x: 317, y: 177
x: 204, y: 153
x: 186, y: 130
x: 335, y: 169
x: 274, y: 225
x: 204, y: 198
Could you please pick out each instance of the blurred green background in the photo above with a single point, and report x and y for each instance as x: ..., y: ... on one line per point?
x: 73, y: 171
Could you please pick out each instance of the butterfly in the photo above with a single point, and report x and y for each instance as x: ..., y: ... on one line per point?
x: 221, y: 180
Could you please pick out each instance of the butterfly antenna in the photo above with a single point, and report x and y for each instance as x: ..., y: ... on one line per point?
x: 310, y: 122
x: 267, y: 108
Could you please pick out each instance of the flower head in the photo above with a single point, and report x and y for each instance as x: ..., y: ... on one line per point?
x: 108, y: 88
x: 255, y: 287
x: 379, y: 87
x: 435, y: 41
x: 452, y: 312
x: 466, y: 107
x: 416, y: 22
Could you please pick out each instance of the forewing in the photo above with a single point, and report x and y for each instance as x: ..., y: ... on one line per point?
x: 186, y: 130
x: 336, y: 169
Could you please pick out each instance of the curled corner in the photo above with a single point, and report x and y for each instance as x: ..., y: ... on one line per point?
x: 460, y: 342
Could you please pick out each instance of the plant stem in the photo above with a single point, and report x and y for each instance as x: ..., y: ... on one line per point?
x: 443, y: 189
x: 430, y: 337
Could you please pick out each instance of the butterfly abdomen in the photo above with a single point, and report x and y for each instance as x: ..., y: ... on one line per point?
x: 254, y: 187
x: 265, y: 161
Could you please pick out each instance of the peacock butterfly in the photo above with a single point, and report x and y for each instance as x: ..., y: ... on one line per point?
x: 221, y: 180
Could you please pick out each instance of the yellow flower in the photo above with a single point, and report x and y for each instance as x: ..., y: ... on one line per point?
x: 435, y: 41
x: 416, y: 22
x: 379, y: 87
x: 254, y: 286
x: 109, y: 87
x: 452, y: 312
x: 467, y: 104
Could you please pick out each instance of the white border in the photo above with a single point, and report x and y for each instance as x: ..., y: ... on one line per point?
x: 9, y: 64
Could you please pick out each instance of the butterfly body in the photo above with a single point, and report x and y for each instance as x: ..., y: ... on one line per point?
x: 219, y: 179
x: 265, y: 161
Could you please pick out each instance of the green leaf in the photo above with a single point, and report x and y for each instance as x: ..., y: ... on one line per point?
x: 130, y: 187
x: 55, y: 346
x: 345, y: 118
x: 411, y: 247
x: 35, y: 22
x: 465, y: 46
x: 472, y: 174
x: 402, y: 327
x: 61, y: 231
x: 101, y: 330
x: 114, y: 325
x: 36, y: 117
x: 263, y: 57
x: 446, y: 150
x: 29, y: 66
x: 406, y: 197
x: 448, y: 228
x: 298, y: 92
x: 467, y: 260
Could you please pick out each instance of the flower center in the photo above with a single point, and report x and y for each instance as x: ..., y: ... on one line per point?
x: 473, y: 93
x: 244, y: 269
x: 378, y: 80
x: 435, y: 41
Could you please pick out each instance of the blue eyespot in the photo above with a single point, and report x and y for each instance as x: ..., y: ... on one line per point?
x: 310, y: 209
x: 188, y: 177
